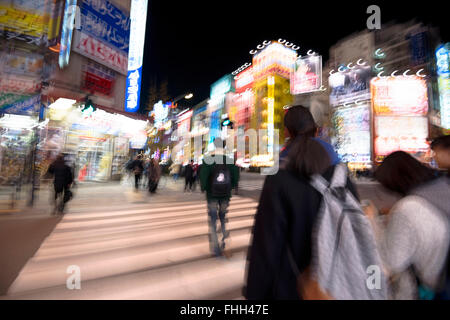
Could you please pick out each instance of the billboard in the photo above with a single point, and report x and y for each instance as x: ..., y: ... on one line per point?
x: 33, y: 21
x: 394, y: 133
x: 138, y: 17
x: 222, y: 86
x: 98, y: 78
x: 275, y: 58
x: 350, y: 85
x: 306, y: 75
x: 244, y: 80
x: 401, y: 95
x: 400, y: 106
x: 443, y: 71
x: 352, y: 125
x: 104, y: 35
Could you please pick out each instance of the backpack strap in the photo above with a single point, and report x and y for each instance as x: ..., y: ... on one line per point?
x: 339, y: 179
x: 319, y: 183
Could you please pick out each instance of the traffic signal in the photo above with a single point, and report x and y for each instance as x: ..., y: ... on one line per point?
x: 227, y: 123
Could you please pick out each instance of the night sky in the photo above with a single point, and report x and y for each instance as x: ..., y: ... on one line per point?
x: 194, y: 43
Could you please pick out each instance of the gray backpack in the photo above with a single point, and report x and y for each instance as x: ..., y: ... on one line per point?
x: 345, y: 262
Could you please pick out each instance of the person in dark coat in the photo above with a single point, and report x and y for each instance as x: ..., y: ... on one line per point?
x: 63, y: 179
x: 137, y: 166
x: 189, y: 175
x: 286, y: 213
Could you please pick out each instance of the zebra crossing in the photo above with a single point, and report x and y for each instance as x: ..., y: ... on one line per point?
x: 251, y: 185
x: 140, y: 251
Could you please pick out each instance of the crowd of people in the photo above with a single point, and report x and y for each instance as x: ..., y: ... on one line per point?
x: 313, y: 236
x: 409, y: 242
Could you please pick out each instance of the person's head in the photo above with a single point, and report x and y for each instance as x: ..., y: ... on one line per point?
x: 306, y: 155
x: 401, y: 173
x: 219, y: 143
x: 60, y: 157
x: 441, y: 151
x: 298, y: 121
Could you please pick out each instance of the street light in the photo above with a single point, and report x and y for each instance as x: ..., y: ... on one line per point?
x: 188, y: 96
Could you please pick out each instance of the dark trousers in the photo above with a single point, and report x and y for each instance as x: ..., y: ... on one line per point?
x: 60, y: 192
x: 137, y: 178
x: 188, y: 181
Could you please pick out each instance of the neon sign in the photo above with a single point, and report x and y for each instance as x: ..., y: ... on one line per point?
x: 138, y: 17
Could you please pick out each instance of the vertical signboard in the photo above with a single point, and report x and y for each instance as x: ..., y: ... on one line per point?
x: 70, y: 11
x: 443, y: 71
x: 138, y: 16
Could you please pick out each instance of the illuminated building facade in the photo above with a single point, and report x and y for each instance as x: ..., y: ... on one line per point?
x: 271, y: 71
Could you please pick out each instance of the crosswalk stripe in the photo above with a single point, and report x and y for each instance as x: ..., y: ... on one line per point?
x: 113, y: 245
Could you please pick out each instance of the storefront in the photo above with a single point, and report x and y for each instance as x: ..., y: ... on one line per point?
x: 97, y: 141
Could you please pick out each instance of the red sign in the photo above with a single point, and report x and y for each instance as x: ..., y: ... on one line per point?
x: 98, y: 84
x: 101, y: 53
x: 18, y: 84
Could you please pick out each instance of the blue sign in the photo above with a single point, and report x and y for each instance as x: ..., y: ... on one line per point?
x: 200, y: 110
x: 106, y: 22
x: 28, y: 106
x: 443, y: 60
x: 419, y: 48
x: 138, y: 18
x: 66, y: 32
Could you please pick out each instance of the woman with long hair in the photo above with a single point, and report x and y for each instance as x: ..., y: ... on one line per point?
x: 415, y: 239
x: 287, y: 209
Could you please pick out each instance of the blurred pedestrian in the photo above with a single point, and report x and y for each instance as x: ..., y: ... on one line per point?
x: 415, y: 241
x: 188, y: 176
x: 287, y: 211
x: 175, y: 169
x: 218, y: 176
x: 195, y: 176
x: 63, y: 179
x: 441, y: 150
x: 154, y: 174
x: 137, y: 168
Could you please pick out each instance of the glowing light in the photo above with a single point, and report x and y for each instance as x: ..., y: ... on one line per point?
x: 270, y: 111
x: 359, y: 62
x: 331, y: 71
x: 281, y: 41
x: 377, y: 66
x: 340, y: 69
x: 190, y: 95
x: 294, y: 47
x: 252, y: 52
x: 393, y: 73
x: 310, y: 53
x: 348, y: 66
x: 420, y: 75
x: 405, y: 74
x: 266, y: 42
x: 379, y: 53
x: 379, y: 75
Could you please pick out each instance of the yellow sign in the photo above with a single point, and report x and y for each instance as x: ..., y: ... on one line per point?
x: 26, y: 23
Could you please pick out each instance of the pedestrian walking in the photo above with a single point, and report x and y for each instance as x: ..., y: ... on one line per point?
x: 137, y: 168
x: 282, y: 241
x: 195, y: 176
x: 175, y: 169
x: 415, y: 240
x: 218, y: 176
x: 63, y: 179
x: 154, y: 174
x: 188, y: 176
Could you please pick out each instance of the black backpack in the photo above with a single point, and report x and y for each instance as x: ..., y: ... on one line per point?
x: 220, y: 181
